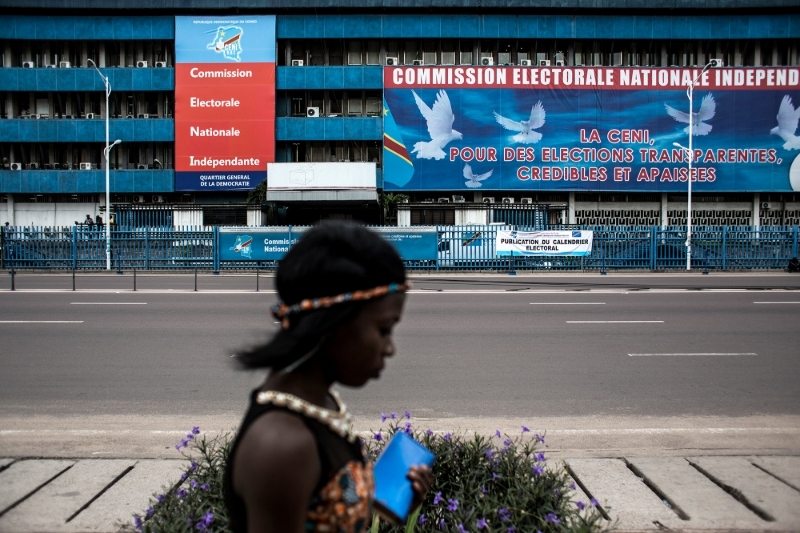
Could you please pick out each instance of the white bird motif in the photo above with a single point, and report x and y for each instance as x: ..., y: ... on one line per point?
x: 707, y: 110
x: 474, y: 180
x: 787, y: 117
x: 440, y: 127
x: 525, y: 128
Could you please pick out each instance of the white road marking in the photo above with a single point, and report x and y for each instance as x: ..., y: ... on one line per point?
x: 568, y: 303
x: 615, y: 321
x: 108, y: 303
x: 41, y: 321
x: 687, y: 354
x: 776, y: 302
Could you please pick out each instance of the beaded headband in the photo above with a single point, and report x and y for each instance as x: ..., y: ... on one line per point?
x: 282, y: 312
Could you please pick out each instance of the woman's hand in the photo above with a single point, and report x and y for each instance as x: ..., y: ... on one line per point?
x: 421, y: 478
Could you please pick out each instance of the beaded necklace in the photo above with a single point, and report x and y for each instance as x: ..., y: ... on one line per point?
x: 339, y: 421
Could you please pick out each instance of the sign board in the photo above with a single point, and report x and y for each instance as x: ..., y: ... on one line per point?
x: 272, y: 243
x: 328, y: 176
x: 224, y: 101
x: 544, y: 243
x: 590, y: 128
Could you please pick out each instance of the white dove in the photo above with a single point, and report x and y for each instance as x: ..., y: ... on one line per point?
x: 707, y: 110
x: 787, y: 124
x: 440, y: 127
x: 474, y: 180
x: 525, y: 128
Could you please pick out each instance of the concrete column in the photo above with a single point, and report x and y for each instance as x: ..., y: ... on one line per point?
x: 756, y: 220
x: 664, y: 56
x: 10, y: 208
x: 757, y: 54
x: 101, y: 55
x: 571, y: 208
x: 477, y: 197
x: 664, y: 216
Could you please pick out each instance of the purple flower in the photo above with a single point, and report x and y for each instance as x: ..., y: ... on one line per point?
x: 539, y: 438
x: 438, y: 498
x: 178, y: 446
x: 208, y: 518
x: 149, y: 512
x: 428, y: 432
x: 489, y: 453
x: 497, y: 433
x: 181, y: 493
x: 461, y: 529
x: 408, y: 414
x: 422, y: 519
x: 184, y: 443
x: 383, y: 417
x: 442, y: 524
x: 408, y: 428
x: 452, y: 505
x: 552, y: 517
x: 539, y: 456
x: 184, y: 476
x: 507, y: 443
x: 189, y: 436
x: 525, y: 429
x: 160, y: 498
x: 483, y: 490
x: 447, y: 437
x: 573, y: 486
x: 192, y: 466
x: 481, y: 524
x: 495, y: 475
x: 377, y: 436
x: 512, y: 529
x: 580, y: 505
x: 538, y: 470
x: 393, y: 415
x: 193, y: 484
x: 593, y: 502
x: 137, y: 520
x: 196, y: 430
x: 504, y: 514
x: 204, y: 486
x: 200, y: 526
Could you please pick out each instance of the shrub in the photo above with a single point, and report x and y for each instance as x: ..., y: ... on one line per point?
x: 498, y: 484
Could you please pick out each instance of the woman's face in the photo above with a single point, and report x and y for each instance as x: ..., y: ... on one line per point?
x: 357, y: 349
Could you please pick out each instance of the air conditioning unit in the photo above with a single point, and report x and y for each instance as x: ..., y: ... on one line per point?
x: 16, y: 166
x: 64, y: 64
x: 141, y: 64
x: 27, y: 64
x: 418, y: 62
x: 443, y: 200
x: 544, y: 62
x: 766, y: 205
x: 507, y: 200
x: 297, y: 62
x: 312, y: 112
x: 86, y: 166
x: 457, y: 198
x: 560, y: 63
x: 716, y: 63
x: 141, y: 166
x: 33, y: 166
x: 144, y: 115
x: 487, y: 61
x: 157, y: 199
x: 392, y: 61
x: 89, y: 115
x: 526, y: 200
x: 525, y: 62
x: 488, y: 199
x: 161, y: 64
x: 129, y: 116
x: 138, y: 198
x: 53, y: 65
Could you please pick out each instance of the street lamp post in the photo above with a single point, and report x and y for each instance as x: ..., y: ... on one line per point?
x: 108, y: 177
x: 690, y: 154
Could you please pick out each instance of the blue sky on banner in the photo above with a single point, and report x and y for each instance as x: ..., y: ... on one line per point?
x: 197, y: 39
x: 583, y: 119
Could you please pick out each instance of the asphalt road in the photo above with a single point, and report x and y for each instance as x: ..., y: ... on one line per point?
x: 481, y: 348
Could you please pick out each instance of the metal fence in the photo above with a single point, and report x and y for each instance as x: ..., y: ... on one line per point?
x: 460, y: 248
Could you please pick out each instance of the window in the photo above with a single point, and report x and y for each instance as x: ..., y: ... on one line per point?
x: 354, y: 53
x: 354, y: 107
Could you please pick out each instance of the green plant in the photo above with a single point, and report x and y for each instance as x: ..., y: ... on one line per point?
x: 258, y: 194
x: 389, y: 201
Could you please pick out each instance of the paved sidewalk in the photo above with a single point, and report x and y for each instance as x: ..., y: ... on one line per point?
x: 703, y: 493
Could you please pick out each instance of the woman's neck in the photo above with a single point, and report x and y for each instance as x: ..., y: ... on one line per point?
x: 307, y: 382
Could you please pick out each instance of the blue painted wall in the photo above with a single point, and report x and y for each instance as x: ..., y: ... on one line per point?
x: 329, y: 77
x: 114, y: 28
x: 329, y: 129
x: 86, y: 181
x: 87, y: 130
x: 86, y: 79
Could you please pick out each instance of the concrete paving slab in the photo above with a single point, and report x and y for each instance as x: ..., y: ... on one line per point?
x: 761, y: 489
x: 622, y: 495
x: 5, y: 461
x: 787, y: 469
x: 707, y: 505
x: 50, y: 507
x: 23, y: 477
x: 129, y: 495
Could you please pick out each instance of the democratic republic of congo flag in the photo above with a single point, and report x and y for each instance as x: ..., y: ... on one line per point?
x: 397, y: 166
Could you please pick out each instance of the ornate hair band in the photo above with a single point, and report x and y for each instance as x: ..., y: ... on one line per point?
x: 283, y: 312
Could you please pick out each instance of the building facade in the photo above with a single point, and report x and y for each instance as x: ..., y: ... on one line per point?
x: 324, y: 110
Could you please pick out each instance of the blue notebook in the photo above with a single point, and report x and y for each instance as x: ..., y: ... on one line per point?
x: 393, y: 491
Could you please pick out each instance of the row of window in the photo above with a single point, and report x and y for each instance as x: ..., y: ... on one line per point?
x: 351, y: 103
x: 86, y: 156
x: 72, y: 54
x: 86, y: 104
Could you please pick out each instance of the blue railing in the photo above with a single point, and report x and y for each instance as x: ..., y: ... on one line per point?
x: 462, y: 248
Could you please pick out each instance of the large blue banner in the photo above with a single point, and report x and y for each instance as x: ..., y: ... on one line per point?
x: 598, y: 129
x: 272, y: 243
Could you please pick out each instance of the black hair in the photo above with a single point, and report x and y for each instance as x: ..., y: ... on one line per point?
x: 330, y: 259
